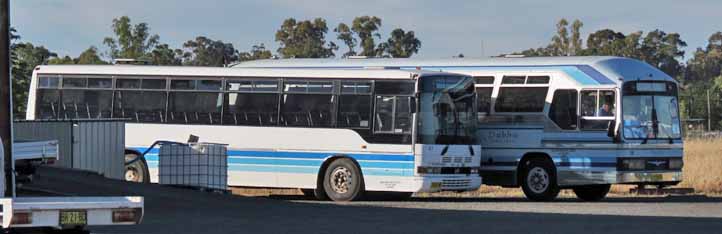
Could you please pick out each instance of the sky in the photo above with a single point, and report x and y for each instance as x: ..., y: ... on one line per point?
x: 446, y: 28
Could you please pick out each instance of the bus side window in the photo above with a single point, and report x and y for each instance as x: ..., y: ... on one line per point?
x: 563, y: 110
x: 598, y: 109
x: 393, y: 114
x: 354, y: 109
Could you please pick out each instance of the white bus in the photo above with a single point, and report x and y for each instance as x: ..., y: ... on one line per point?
x: 552, y: 123
x: 332, y: 133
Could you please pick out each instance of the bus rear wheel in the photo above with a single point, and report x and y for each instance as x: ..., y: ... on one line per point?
x: 594, y: 192
x: 539, y: 180
x: 136, y: 171
x: 342, y: 181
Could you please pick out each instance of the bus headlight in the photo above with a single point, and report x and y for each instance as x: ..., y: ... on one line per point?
x: 428, y: 170
x: 676, y: 163
x: 633, y: 164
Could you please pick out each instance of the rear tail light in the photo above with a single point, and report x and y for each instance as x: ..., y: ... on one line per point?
x: 127, y: 215
x: 22, y: 218
x: 50, y: 161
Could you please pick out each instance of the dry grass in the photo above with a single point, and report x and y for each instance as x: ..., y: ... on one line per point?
x: 703, y: 165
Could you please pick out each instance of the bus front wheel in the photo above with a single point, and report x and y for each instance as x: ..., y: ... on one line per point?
x: 342, y: 181
x: 539, y: 180
x: 136, y: 171
x: 594, y: 192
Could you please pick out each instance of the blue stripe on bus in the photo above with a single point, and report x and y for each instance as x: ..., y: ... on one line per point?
x: 596, y: 75
x: 305, y: 162
x: 306, y: 155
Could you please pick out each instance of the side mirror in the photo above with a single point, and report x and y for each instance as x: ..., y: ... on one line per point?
x: 610, y: 129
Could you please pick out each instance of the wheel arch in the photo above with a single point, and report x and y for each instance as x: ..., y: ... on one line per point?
x: 527, y: 158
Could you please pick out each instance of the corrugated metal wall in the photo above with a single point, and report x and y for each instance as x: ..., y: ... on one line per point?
x: 93, y: 145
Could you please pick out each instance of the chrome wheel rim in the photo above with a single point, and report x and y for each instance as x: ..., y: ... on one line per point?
x: 538, y: 180
x: 131, y: 174
x: 341, y: 180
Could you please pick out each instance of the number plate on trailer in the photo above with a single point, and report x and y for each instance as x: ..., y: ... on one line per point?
x: 73, y: 218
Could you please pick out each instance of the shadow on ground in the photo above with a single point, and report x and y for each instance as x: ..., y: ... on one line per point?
x: 174, y: 210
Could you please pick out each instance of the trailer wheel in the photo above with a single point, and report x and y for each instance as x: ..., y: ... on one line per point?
x: 594, y: 192
x: 137, y: 171
x: 342, y: 181
x: 539, y: 180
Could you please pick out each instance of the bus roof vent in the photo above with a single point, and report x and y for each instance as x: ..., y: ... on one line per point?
x: 514, y: 56
x: 128, y: 61
x: 357, y: 57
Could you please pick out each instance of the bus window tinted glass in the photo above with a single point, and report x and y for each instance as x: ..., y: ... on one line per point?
x: 484, y: 79
x: 483, y: 99
x: 153, y: 84
x: 307, y: 110
x: 265, y: 85
x: 402, y: 88
x: 356, y: 87
x: 563, y: 110
x: 194, y: 107
x: 87, y: 104
x: 127, y: 83
x: 384, y: 114
x: 47, y: 104
x: 140, y: 106
x: 295, y: 86
x: 354, y: 111
x: 256, y: 109
x: 75, y: 82
x: 239, y: 85
x: 183, y: 84
x: 521, y: 99
x: 589, y: 103
x: 48, y: 82
x: 100, y: 83
x: 537, y: 80
x: 513, y: 80
x: 209, y: 85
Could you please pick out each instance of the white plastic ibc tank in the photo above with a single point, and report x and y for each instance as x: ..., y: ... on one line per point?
x: 203, y: 165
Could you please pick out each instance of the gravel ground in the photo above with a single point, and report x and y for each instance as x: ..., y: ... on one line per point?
x: 175, y: 210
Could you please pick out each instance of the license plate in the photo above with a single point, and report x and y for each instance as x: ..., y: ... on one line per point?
x: 73, y: 218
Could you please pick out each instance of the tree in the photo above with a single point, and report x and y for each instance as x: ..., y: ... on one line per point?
x: 257, y: 52
x: 304, y: 39
x: 163, y: 55
x: 366, y: 28
x: 401, y: 44
x: 208, y: 52
x: 663, y: 50
x: 605, y: 42
x: 576, y: 40
x: 90, y: 56
x: 347, y: 36
x: 130, y: 41
x: 61, y: 60
x: 25, y: 57
x: 560, y: 42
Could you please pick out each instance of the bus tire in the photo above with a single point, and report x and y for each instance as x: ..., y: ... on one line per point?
x: 136, y: 171
x: 343, y: 181
x: 539, y: 180
x: 594, y: 192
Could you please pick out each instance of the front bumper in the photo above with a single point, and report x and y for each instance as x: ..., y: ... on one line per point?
x: 438, y: 183
x: 569, y: 178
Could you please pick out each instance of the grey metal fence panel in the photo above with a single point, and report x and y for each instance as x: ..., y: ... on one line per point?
x: 102, y: 147
x: 93, y: 145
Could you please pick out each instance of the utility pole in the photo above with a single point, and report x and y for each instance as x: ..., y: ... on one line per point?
x: 6, y: 110
x: 709, y: 114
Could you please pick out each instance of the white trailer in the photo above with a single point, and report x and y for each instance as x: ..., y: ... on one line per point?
x: 63, y: 212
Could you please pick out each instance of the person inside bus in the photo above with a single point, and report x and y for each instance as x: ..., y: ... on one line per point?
x: 605, y: 111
